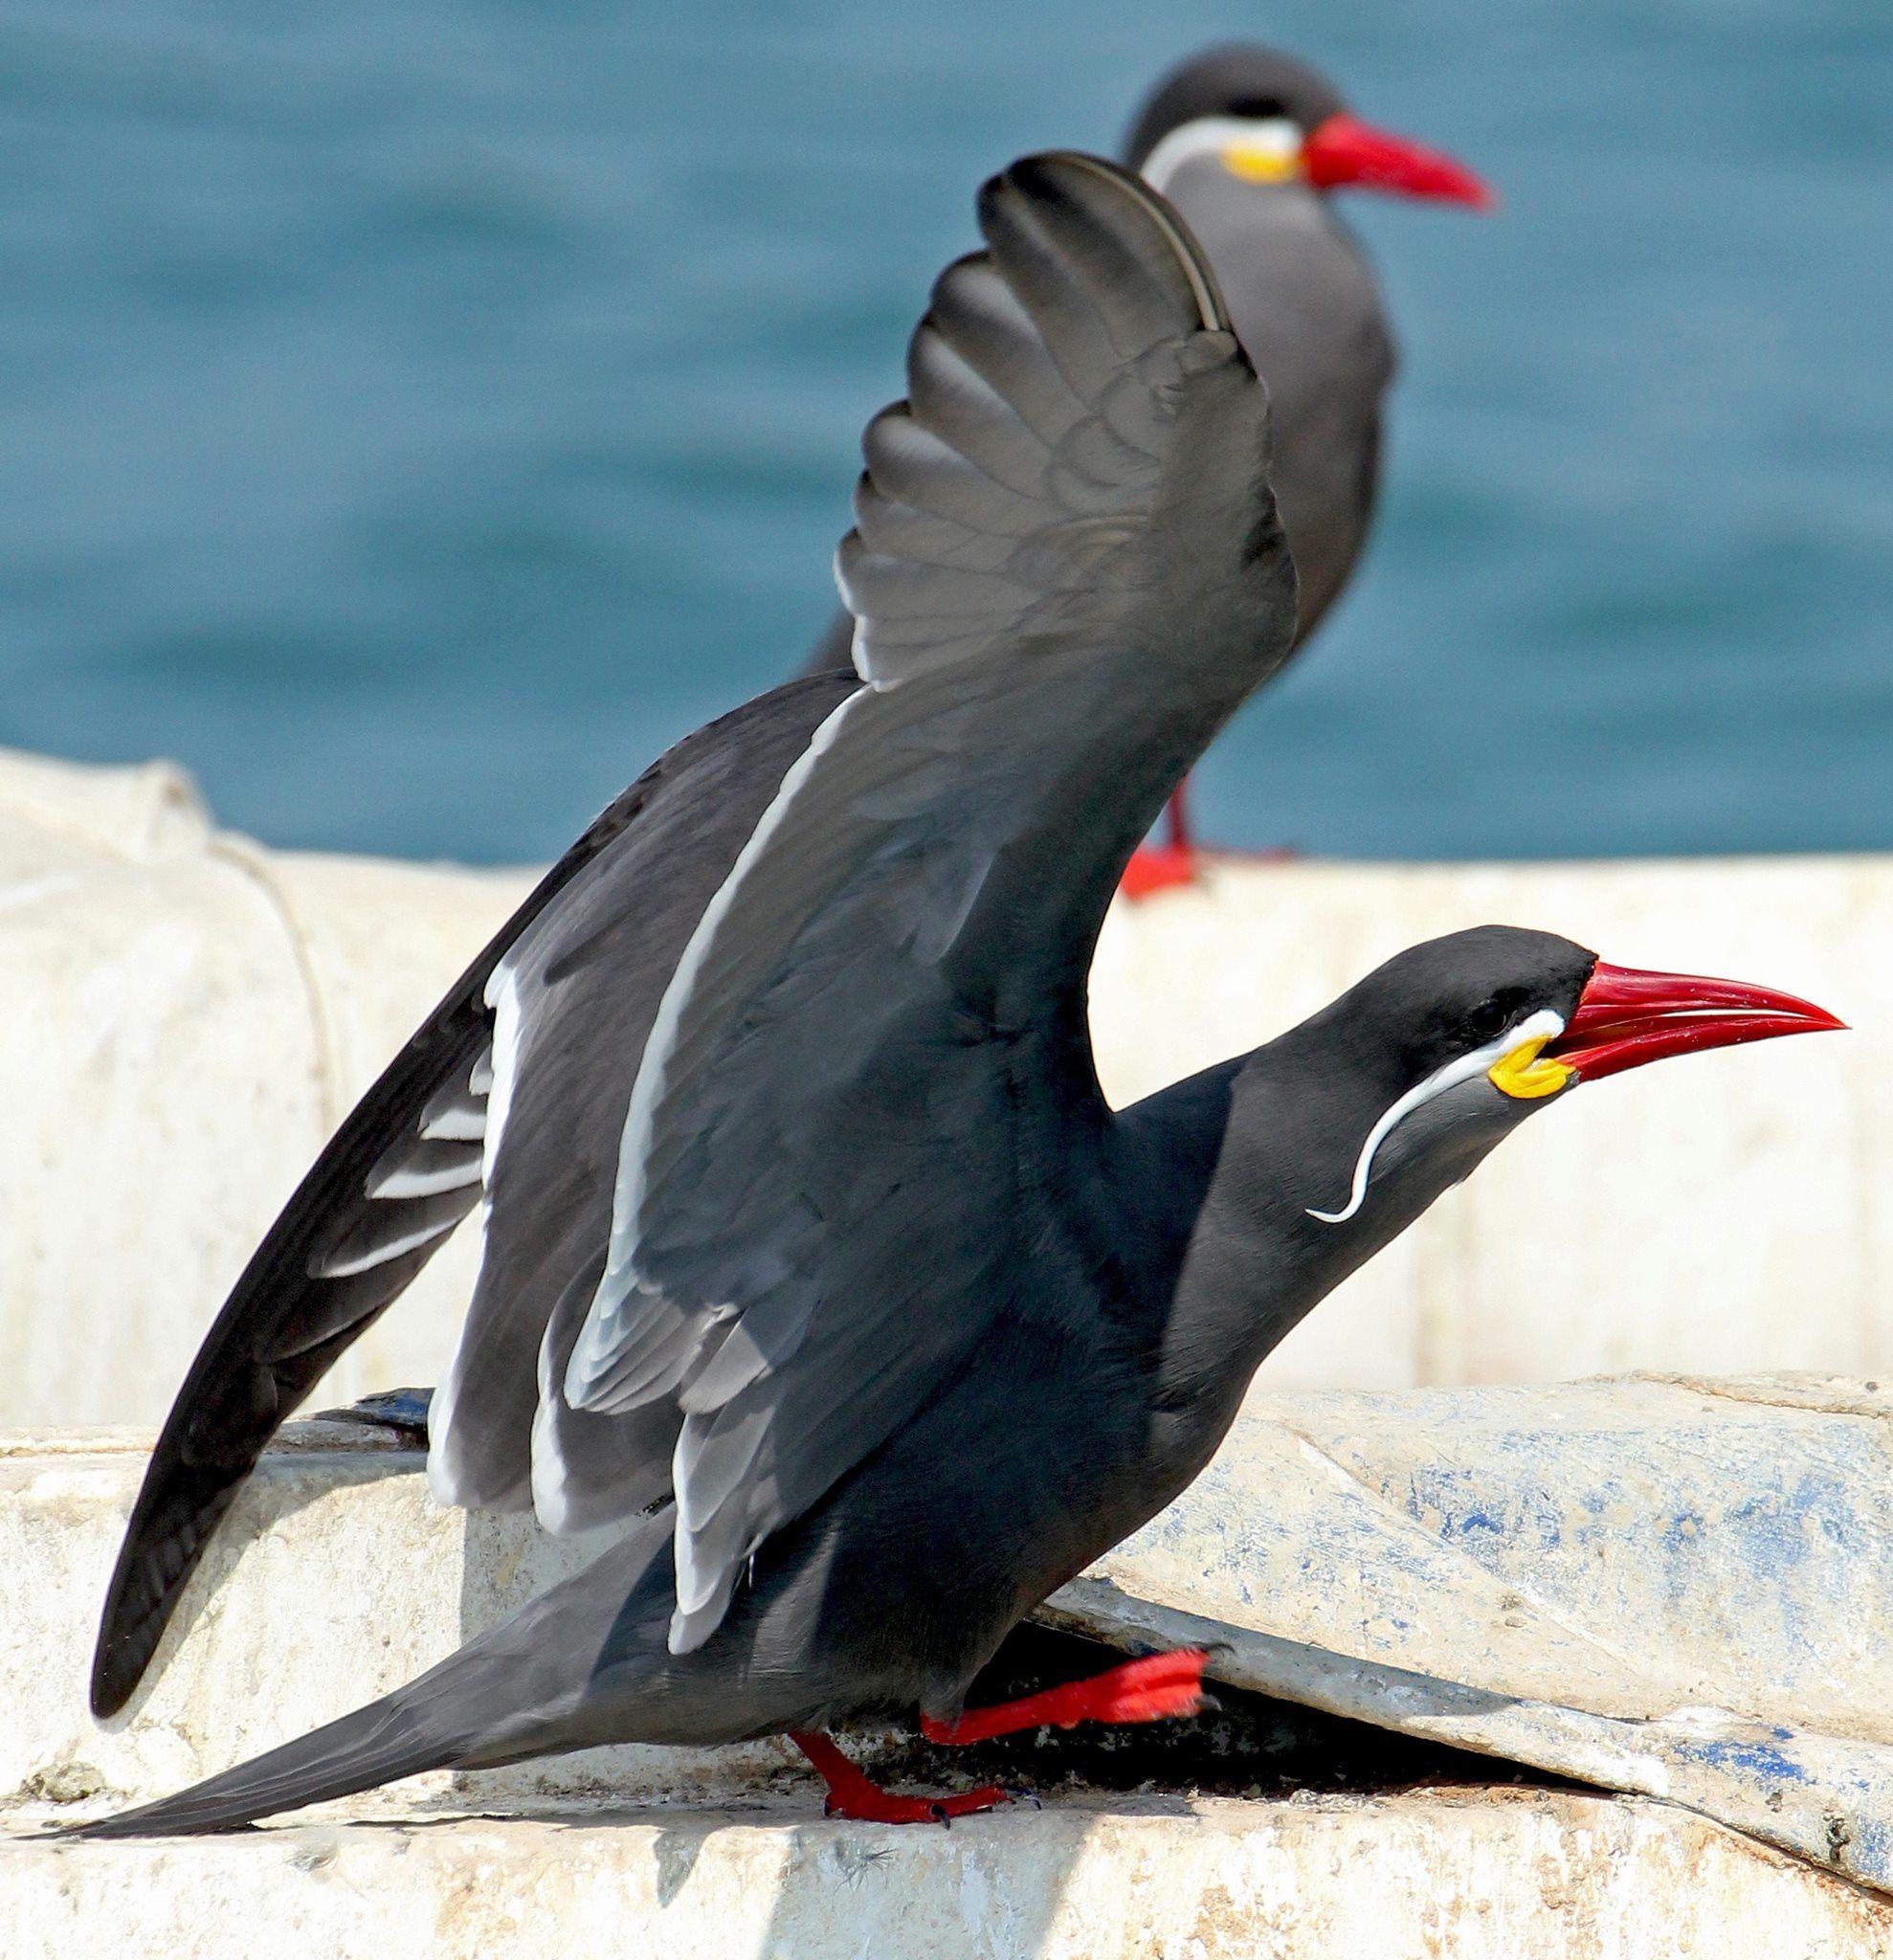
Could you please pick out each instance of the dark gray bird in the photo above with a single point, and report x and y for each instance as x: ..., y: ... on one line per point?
x: 1247, y: 144
x: 811, y: 1249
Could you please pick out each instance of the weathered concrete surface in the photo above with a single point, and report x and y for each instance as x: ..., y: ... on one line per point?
x: 335, y: 1578
x: 1477, y: 1875
x: 1629, y: 1546
x: 189, y: 1014
x: 1670, y: 1587
x: 1666, y: 1587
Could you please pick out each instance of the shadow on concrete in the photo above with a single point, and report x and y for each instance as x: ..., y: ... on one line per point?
x: 1247, y: 1746
x: 264, y: 1502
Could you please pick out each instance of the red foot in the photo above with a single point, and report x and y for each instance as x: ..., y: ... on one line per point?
x: 1173, y: 861
x: 1153, y: 867
x: 1139, y: 1691
x: 854, y: 1795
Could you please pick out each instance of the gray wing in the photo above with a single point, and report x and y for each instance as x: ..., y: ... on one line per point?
x: 571, y: 1003
x: 408, y: 1165
x: 848, y: 1125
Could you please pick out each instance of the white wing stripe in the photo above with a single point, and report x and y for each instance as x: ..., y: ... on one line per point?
x: 492, y: 1079
x: 440, y: 1478
x: 402, y: 1182
x: 503, y: 996
x: 455, y: 1125
x: 594, y: 1351
x: 339, y: 1268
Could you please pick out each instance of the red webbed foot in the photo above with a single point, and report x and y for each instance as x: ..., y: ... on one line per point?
x: 1147, y: 1690
x: 874, y: 1805
x: 1156, y: 867
x: 854, y: 1795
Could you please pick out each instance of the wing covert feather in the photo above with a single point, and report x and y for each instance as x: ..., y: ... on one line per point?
x: 574, y: 999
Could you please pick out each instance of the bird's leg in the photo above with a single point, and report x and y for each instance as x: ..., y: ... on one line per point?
x: 854, y: 1795
x: 1176, y: 815
x: 1139, y: 1691
x: 1153, y: 866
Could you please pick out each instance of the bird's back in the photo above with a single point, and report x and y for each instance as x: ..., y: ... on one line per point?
x: 1306, y: 308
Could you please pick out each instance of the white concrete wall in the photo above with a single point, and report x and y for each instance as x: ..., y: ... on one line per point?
x: 190, y: 1015
x: 1474, y: 1874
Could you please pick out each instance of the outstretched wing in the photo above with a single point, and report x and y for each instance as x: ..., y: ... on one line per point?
x: 871, y: 1069
x: 407, y: 1166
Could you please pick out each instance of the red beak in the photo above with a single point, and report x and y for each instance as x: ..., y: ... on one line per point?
x: 1344, y: 151
x: 1625, y: 1017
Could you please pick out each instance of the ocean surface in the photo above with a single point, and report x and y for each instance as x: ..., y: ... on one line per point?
x: 415, y: 416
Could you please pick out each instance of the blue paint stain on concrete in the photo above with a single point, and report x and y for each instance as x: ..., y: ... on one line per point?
x: 1870, y: 1849
x: 1469, y: 1522
x: 1462, y: 1503
x: 1743, y: 1757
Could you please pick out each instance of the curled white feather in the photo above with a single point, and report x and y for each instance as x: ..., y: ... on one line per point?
x: 1461, y: 1069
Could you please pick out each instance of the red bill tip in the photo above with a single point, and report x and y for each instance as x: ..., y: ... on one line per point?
x: 1626, y: 1017
x: 1344, y: 150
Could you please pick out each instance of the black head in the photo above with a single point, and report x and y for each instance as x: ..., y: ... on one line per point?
x: 1415, y: 1072
x: 1239, y: 79
x: 1271, y: 121
x: 1451, y: 997
x: 1316, y: 1150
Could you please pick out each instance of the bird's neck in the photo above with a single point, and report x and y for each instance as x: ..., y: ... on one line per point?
x: 1222, y: 1171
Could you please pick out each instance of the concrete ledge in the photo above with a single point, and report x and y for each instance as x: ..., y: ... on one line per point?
x: 1526, y: 1596
x: 335, y: 1578
x: 1481, y: 1875
x: 1666, y: 1588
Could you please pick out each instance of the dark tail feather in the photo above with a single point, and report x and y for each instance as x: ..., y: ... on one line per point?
x: 519, y: 1689
x: 374, y: 1744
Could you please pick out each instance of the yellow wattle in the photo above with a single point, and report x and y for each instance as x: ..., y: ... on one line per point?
x: 1260, y: 165
x: 1527, y: 1074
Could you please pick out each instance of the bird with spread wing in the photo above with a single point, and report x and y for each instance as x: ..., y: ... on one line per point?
x: 813, y: 1254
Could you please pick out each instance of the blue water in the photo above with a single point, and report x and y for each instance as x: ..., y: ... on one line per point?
x: 413, y: 416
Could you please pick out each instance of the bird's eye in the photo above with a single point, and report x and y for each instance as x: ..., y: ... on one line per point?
x: 1487, y: 1021
x: 1258, y: 108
